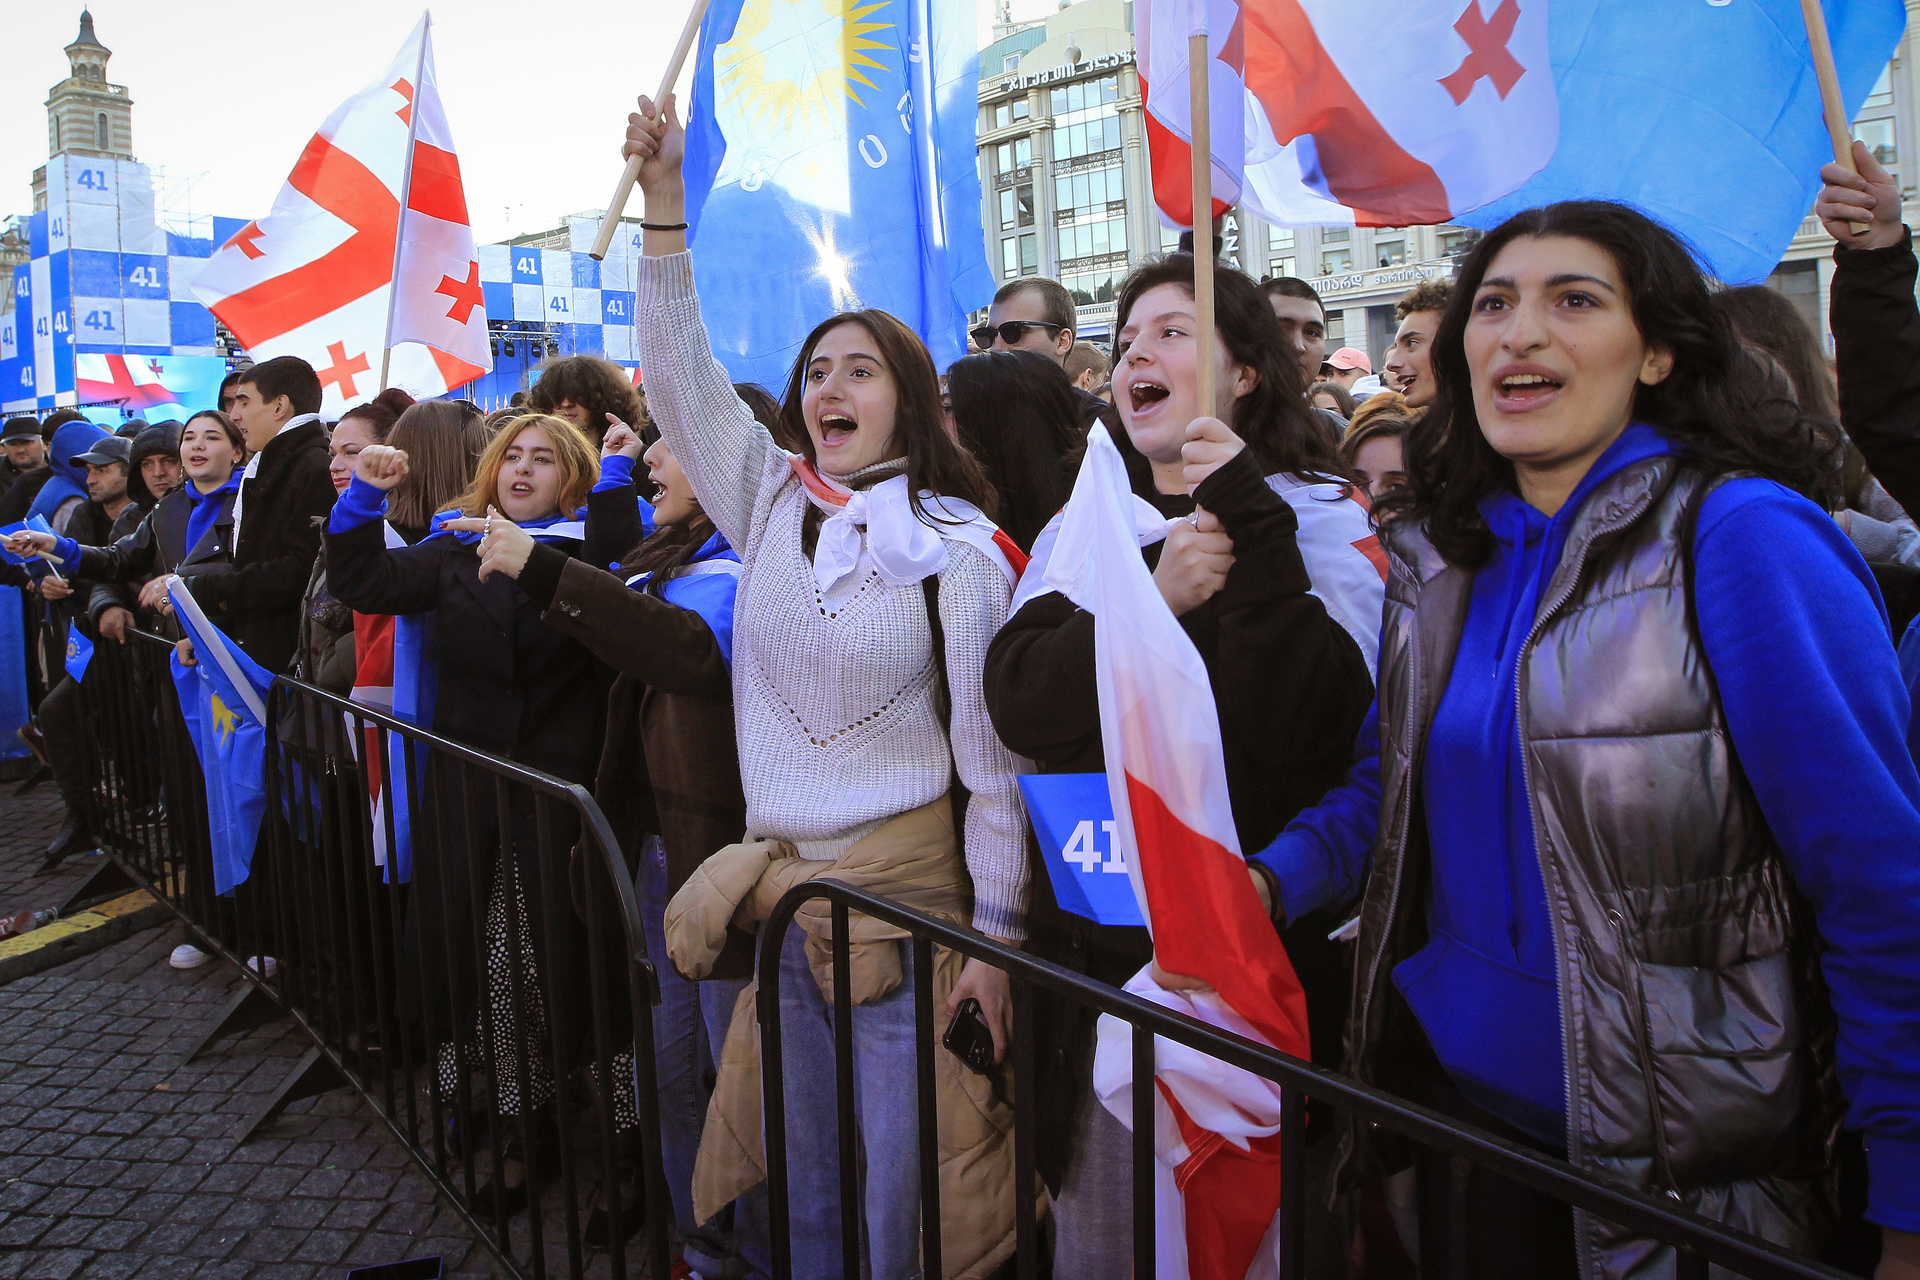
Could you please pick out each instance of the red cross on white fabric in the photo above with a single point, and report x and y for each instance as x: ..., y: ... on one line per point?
x: 405, y: 90
x: 466, y: 294
x: 1487, y: 54
x: 244, y: 239
x: 341, y: 374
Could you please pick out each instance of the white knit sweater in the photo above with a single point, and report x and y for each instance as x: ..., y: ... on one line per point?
x: 833, y: 694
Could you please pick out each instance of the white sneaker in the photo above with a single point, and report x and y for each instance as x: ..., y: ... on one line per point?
x: 188, y: 956
x: 265, y: 965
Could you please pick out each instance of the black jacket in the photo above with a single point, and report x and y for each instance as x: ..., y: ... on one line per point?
x: 1876, y: 347
x: 1292, y: 689
x: 156, y: 546
x: 10, y: 474
x: 21, y: 493
x: 257, y: 599
x: 511, y: 685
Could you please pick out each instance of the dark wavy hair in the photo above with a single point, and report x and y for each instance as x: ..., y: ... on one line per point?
x: 935, y: 460
x: 601, y: 387
x: 1016, y: 412
x: 1719, y: 417
x: 1273, y: 418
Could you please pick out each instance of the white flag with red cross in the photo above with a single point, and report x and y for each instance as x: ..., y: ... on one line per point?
x: 1387, y: 113
x: 315, y: 277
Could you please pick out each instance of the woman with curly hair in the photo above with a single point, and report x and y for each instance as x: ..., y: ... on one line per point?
x: 590, y: 393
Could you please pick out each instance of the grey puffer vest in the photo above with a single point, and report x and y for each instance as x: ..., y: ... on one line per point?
x: 1696, y: 1030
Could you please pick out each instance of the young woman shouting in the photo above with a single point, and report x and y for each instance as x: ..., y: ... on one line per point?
x: 508, y: 684
x: 855, y: 725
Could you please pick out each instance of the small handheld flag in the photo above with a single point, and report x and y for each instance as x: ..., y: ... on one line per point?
x: 79, y: 654
x: 223, y: 698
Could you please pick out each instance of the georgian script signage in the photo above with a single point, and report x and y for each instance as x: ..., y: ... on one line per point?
x: 1104, y: 62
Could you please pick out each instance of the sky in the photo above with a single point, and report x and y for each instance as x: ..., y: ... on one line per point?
x: 537, y: 94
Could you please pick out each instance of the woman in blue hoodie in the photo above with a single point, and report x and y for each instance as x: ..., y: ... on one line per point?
x: 1635, y: 826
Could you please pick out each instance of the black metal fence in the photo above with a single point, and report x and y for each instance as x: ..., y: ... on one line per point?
x: 461, y: 939
x: 1702, y: 1244
x: 458, y: 935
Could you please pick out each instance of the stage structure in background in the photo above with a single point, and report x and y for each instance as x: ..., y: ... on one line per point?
x: 375, y: 197
x: 107, y: 277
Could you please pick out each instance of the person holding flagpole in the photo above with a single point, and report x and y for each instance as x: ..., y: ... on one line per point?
x: 872, y: 583
x: 509, y: 684
x: 1290, y: 679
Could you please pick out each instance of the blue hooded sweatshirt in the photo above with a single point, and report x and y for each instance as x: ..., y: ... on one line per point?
x: 67, y: 481
x: 1792, y: 626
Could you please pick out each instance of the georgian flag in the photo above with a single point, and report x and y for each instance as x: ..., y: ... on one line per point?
x: 1217, y: 1133
x: 1385, y: 113
x: 314, y: 277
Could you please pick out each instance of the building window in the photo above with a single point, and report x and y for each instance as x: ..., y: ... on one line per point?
x: 1390, y: 253
x: 1029, y: 254
x: 1020, y: 255
x: 1010, y: 63
x: 1333, y: 235
x: 1335, y: 261
x: 1336, y: 330
x: 1021, y: 109
x: 1016, y: 207
x: 1284, y: 267
x: 1017, y: 154
x: 1279, y: 238
x: 101, y: 125
x: 1085, y: 121
x: 1089, y: 287
x: 1002, y: 115
x: 1878, y: 135
x: 1452, y: 243
x: 1882, y: 95
x: 1092, y: 239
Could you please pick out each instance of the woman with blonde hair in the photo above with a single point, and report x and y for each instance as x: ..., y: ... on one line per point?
x: 509, y: 684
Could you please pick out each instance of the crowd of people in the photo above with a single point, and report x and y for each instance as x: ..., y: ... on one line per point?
x: 1594, y: 824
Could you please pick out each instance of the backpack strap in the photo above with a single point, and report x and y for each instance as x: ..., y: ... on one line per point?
x: 943, y: 707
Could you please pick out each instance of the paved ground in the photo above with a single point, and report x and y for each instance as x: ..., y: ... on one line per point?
x: 117, y: 1161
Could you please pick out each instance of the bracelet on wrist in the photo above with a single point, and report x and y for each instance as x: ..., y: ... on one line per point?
x: 663, y: 226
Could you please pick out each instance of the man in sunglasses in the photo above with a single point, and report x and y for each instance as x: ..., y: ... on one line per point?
x: 1037, y: 314
x: 1031, y: 314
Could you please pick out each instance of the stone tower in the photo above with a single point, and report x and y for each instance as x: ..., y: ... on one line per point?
x: 86, y: 116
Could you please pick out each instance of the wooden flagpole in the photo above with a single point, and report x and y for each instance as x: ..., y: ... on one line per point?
x: 406, y: 194
x: 1839, y: 132
x: 1201, y: 125
x: 618, y: 205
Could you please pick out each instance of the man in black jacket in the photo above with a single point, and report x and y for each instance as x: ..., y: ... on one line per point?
x: 153, y: 471
x: 26, y: 451
x: 276, y: 518
x: 1876, y: 325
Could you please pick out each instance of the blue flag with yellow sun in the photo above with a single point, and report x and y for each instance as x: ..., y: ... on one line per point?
x: 831, y: 166
x: 223, y: 698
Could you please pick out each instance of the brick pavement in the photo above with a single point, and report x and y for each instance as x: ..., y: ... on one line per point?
x: 116, y: 1161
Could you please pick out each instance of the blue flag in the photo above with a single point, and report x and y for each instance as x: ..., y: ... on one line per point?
x: 831, y: 166
x: 1704, y: 115
x: 79, y: 654
x: 14, y: 711
x: 223, y: 698
x: 37, y: 566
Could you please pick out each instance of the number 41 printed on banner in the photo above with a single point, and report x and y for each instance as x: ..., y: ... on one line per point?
x: 1083, y: 851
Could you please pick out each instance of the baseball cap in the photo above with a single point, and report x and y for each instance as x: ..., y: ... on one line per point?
x: 104, y: 451
x: 1351, y: 358
x: 27, y: 428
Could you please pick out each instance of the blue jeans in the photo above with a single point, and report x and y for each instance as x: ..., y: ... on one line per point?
x: 689, y: 1028
x: 885, y: 1107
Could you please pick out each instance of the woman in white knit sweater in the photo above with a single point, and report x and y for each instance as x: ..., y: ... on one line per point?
x: 836, y: 688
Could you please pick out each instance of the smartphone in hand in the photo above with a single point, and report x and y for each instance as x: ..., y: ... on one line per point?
x: 969, y: 1039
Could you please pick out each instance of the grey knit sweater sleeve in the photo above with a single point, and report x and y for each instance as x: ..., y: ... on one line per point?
x: 728, y: 458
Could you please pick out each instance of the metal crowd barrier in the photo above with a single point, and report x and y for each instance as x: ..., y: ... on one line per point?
x: 502, y: 1031
x: 1701, y: 1243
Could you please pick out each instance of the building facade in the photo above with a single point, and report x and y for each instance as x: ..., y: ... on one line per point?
x: 1066, y: 190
